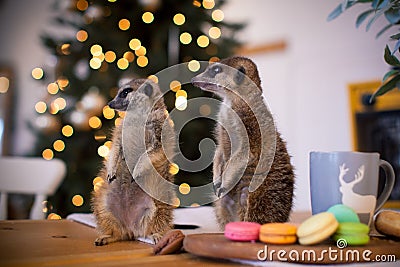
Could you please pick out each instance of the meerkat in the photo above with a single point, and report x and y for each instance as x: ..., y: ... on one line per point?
x: 124, y: 210
x: 237, y: 82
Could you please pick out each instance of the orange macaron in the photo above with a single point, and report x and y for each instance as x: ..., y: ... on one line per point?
x: 278, y: 233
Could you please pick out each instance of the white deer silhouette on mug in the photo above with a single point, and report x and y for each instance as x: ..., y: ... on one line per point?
x: 360, y: 203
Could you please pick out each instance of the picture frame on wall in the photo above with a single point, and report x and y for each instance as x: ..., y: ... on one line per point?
x: 376, y: 128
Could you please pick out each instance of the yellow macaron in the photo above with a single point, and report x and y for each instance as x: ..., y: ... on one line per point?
x: 317, y: 228
x: 278, y: 233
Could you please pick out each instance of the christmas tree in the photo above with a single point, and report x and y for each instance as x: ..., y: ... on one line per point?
x: 114, y: 41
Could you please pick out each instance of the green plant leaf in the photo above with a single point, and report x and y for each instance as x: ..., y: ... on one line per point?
x: 335, y: 13
x: 390, y: 85
x: 390, y: 74
x: 396, y: 47
x: 387, y: 27
x: 395, y: 36
x: 393, y: 15
x: 362, y: 17
x: 391, y: 59
x: 374, y: 18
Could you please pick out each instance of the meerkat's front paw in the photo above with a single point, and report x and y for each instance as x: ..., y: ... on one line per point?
x: 155, y: 237
x: 102, y: 240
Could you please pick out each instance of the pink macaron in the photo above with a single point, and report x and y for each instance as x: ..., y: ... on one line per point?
x: 242, y: 231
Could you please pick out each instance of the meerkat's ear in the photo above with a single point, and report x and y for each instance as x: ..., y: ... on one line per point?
x: 148, y: 89
x: 240, y: 74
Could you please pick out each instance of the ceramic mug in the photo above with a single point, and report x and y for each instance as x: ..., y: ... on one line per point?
x: 351, y: 179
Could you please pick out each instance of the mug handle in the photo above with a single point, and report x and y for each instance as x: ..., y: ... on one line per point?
x: 389, y: 183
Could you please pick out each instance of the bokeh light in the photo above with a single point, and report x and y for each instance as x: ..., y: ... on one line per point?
x: 214, y: 32
x: 175, y: 85
x: 147, y: 17
x: 217, y: 15
x: 203, y: 41
x: 37, y: 73
x: 173, y: 168
x: 67, y: 130
x: 124, y: 24
x: 179, y: 19
x: 82, y: 36
x: 181, y: 103
x: 77, y: 200
x: 194, y: 65
x: 47, y: 154
x: 4, y: 85
x: 185, y: 38
x: 184, y: 188
x: 59, y: 145
x: 40, y: 107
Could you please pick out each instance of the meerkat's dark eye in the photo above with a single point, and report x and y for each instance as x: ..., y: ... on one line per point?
x: 215, y: 70
x: 125, y: 92
x: 148, y: 89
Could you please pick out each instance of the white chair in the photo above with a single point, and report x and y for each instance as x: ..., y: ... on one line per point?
x: 35, y: 176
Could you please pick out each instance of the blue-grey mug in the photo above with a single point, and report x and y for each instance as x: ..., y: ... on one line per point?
x: 351, y: 179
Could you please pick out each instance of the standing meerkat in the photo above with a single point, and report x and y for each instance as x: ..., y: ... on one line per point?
x: 141, y: 147
x: 237, y: 82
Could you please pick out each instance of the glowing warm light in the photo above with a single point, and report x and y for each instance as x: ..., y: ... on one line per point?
x: 67, y: 130
x: 77, y: 200
x: 147, y: 17
x: 100, y: 137
x: 82, y: 5
x: 81, y: 36
x: 97, y: 185
x: 181, y: 93
x: 47, y: 154
x: 124, y: 24
x: 141, y: 51
x: 184, y: 189
x: 108, y: 113
x: 94, y: 122
x: 59, y: 145
x: 53, y: 216
x: 108, y: 144
x: 65, y: 49
x: 196, y: 3
x: 95, y: 63
x: 101, y: 57
x: 37, y: 73
x: 214, y: 32
x: 112, y: 1
x: 103, y: 151
x: 203, y: 41
x: 40, y: 107
x: 123, y: 63
x: 217, y: 15
x: 97, y: 179
x: 118, y: 121
x: 185, y: 38
x: 60, y: 102
x: 195, y: 205
x: 194, y: 65
x: 129, y: 56
x: 4, y: 85
x: 213, y: 59
x: 205, y: 110
x: 134, y: 44
x: 173, y: 168
x: 154, y: 78
x: 62, y: 82
x: 179, y: 19
x: 181, y: 103
x: 52, y: 88
x: 96, y: 50
x: 110, y: 56
x: 142, y: 61
x: 175, y: 85
x: 54, y: 108
x: 208, y: 4
x: 176, y: 202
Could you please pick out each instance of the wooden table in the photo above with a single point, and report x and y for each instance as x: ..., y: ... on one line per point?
x: 66, y: 243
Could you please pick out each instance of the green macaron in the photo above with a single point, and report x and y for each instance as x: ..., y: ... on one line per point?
x: 354, y: 233
x: 344, y: 213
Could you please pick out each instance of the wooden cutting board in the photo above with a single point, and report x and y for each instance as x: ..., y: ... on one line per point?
x: 217, y: 246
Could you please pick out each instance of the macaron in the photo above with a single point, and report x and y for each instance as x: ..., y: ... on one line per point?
x: 242, y: 231
x: 317, y: 228
x: 344, y: 213
x: 354, y: 233
x: 278, y: 233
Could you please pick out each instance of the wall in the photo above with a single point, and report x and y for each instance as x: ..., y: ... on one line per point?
x: 305, y: 85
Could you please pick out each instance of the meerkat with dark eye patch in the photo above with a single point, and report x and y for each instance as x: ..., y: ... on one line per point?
x: 237, y: 82
x: 124, y: 210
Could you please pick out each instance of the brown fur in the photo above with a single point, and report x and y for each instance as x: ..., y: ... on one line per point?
x: 122, y: 209
x: 272, y: 200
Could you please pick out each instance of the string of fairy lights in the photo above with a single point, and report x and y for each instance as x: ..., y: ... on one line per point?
x: 87, y: 114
